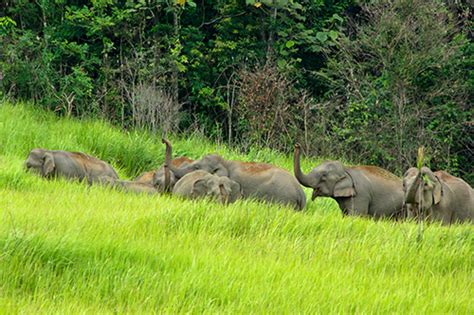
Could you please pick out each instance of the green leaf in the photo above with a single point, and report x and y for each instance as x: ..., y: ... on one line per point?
x: 333, y: 35
x: 297, y: 6
x: 322, y: 36
x: 281, y: 63
x: 315, y: 48
x: 336, y: 16
x: 290, y: 44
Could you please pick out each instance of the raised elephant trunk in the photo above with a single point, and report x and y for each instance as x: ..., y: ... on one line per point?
x: 411, y: 192
x: 177, y: 172
x: 303, y: 179
x: 166, y: 167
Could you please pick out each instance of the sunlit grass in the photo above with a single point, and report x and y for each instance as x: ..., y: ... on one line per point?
x: 69, y: 248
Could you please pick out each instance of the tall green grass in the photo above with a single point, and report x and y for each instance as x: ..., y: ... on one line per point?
x: 69, y: 248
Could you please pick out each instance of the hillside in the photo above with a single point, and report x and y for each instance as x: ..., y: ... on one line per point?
x: 69, y: 248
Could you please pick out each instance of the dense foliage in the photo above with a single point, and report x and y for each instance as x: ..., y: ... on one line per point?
x: 367, y: 81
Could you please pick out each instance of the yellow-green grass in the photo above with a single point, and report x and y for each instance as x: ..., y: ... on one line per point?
x: 69, y: 248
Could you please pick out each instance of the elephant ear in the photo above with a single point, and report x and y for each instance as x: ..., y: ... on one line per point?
x: 199, y: 188
x: 235, y: 191
x: 224, y: 192
x: 220, y: 170
x: 344, y: 187
x: 437, y: 191
x: 48, y: 164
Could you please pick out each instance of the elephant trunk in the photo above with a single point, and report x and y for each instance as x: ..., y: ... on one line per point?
x: 224, y: 194
x: 302, y: 178
x: 412, y: 189
x: 166, y: 167
x: 179, y: 172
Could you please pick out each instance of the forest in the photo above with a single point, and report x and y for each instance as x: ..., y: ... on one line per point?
x: 363, y: 81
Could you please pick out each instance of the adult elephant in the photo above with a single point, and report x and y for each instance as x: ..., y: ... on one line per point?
x: 358, y: 190
x: 439, y: 195
x: 257, y: 180
x: 71, y: 165
x: 200, y: 184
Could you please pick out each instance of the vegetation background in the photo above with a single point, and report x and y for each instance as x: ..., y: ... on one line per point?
x: 365, y: 81
x: 69, y: 248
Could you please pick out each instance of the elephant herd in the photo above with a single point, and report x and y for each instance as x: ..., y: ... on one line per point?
x: 358, y: 190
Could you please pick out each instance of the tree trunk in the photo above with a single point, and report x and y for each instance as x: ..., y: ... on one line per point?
x: 174, y: 79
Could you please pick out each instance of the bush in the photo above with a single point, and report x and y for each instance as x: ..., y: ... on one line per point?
x: 268, y: 107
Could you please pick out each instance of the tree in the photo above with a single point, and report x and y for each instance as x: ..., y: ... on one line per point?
x: 397, y: 82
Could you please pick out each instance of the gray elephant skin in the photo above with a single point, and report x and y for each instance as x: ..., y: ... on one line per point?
x: 200, y: 184
x: 128, y: 186
x: 257, y: 180
x: 71, y: 165
x: 157, y: 177
x: 358, y: 190
x: 442, y: 197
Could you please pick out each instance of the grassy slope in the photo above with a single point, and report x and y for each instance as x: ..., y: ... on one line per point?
x: 65, y: 247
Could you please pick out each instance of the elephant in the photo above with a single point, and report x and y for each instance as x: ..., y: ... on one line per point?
x: 146, y: 177
x: 439, y: 195
x: 71, y: 165
x: 257, y: 180
x: 157, y: 178
x: 203, y: 184
x: 128, y: 186
x: 358, y: 190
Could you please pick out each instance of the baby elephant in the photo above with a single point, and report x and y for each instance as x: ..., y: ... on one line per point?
x: 201, y: 184
x: 128, y: 186
x: 442, y: 197
x: 157, y: 177
x: 71, y: 165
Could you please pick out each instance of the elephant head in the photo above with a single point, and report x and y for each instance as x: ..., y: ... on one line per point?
x: 223, y: 189
x: 159, y: 180
x: 422, y: 188
x: 41, y: 162
x: 329, y: 179
x: 213, y: 164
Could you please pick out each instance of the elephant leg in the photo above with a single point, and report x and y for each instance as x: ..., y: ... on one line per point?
x: 354, y: 206
x: 439, y: 214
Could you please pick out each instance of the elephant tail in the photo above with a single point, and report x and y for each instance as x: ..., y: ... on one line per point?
x: 301, y: 202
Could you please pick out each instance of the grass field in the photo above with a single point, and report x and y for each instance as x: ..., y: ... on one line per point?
x: 68, y: 248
